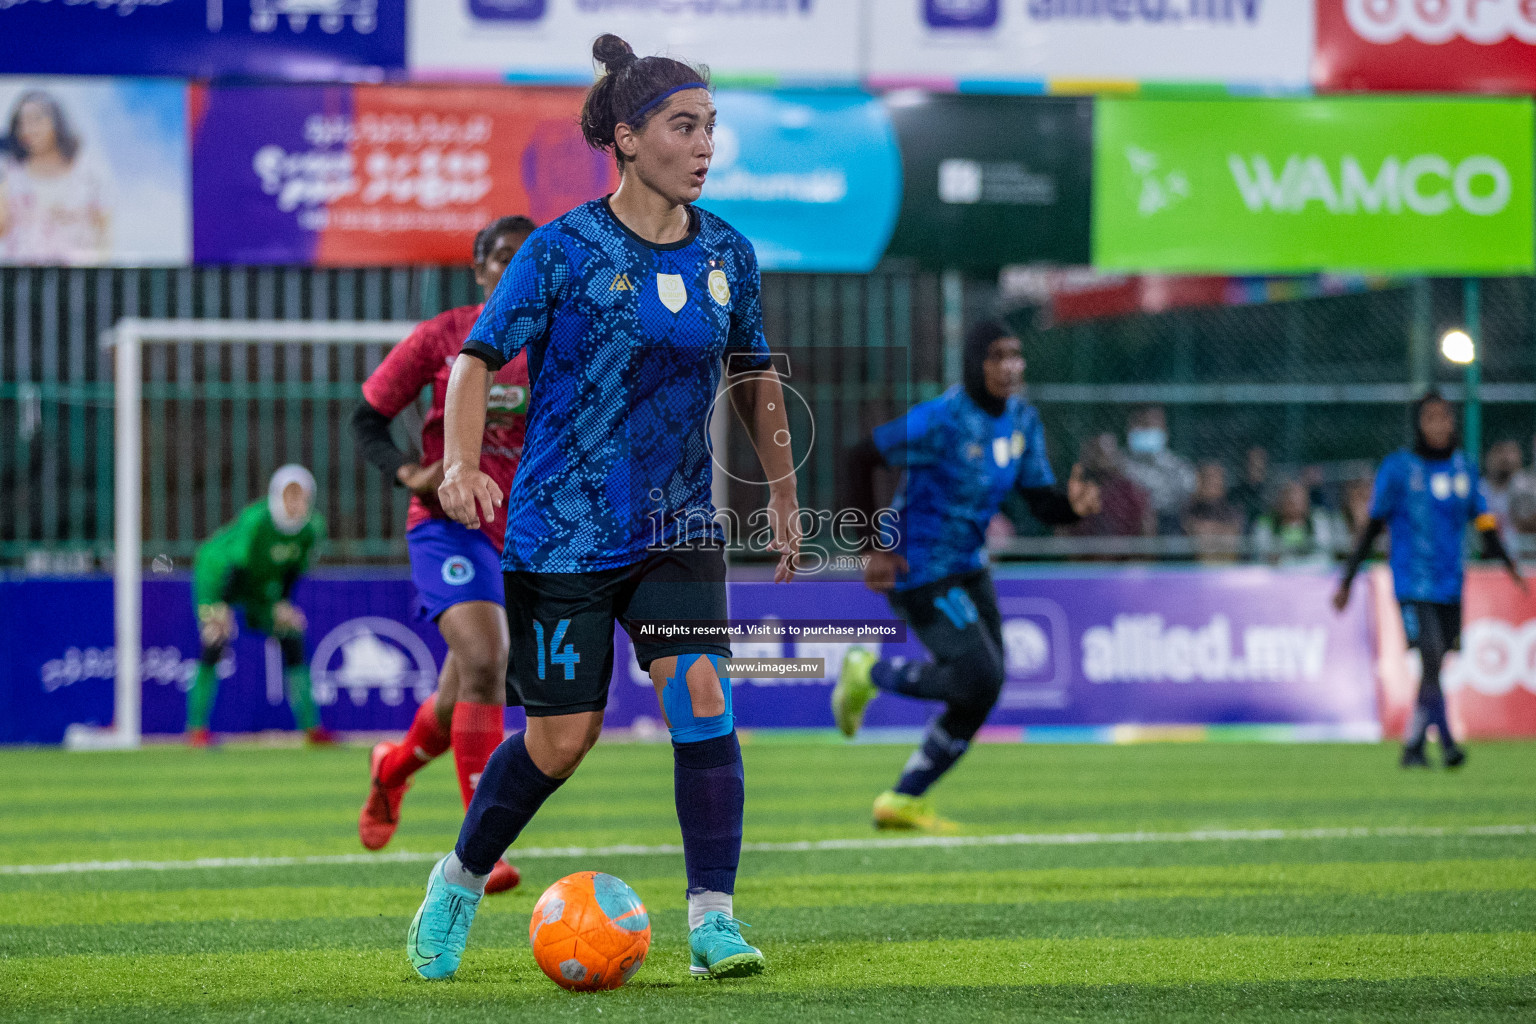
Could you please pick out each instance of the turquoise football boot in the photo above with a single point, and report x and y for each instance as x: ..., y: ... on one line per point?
x: 853, y: 691
x: 440, y: 930
x: 719, y: 951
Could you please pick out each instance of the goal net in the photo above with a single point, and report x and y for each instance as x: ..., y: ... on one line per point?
x: 205, y: 410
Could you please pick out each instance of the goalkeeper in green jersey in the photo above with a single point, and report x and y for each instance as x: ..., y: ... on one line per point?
x: 252, y: 564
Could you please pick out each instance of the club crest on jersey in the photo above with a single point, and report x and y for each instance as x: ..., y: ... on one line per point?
x: 457, y: 570
x: 621, y: 283
x: 1001, y: 451
x: 719, y: 287
x: 1018, y: 443
x: 671, y: 291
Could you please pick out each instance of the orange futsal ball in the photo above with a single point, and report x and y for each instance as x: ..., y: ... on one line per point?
x: 589, y: 932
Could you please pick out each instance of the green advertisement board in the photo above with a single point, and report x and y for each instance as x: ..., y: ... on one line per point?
x: 1281, y: 185
x: 992, y: 180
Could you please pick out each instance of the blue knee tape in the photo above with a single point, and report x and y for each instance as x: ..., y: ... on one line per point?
x: 675, y: 700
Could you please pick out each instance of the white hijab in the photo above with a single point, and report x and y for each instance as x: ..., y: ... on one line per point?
x: 293, y: 473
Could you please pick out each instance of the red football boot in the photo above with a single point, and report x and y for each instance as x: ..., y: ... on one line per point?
x: 199, y: 737
x: 381, y: 812
x: 320, y: 736
x: 504, y: 878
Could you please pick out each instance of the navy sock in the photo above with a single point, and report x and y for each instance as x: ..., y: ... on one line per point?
x: 923, y: 679
x: 1435, y: 709
x: 710, y: 786
x: 510, y: 792
x: 936, y: 756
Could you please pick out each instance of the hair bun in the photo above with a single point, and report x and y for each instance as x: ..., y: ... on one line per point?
x: 612, y: 52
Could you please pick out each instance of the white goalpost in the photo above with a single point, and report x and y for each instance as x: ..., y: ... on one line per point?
x: 128, y: 339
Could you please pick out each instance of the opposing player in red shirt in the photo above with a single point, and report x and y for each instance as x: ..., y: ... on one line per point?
x: 457, y: 571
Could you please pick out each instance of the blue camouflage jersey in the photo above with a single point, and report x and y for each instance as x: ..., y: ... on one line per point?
x: 1427, y: 504
x: 625, y: 341
x: 960, y: 464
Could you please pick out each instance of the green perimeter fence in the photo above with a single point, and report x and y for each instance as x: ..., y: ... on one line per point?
x: 1319, y: 381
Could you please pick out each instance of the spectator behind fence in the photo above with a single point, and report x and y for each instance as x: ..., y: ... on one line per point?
x: 1296, y: 532
x: 1167, y: 479
x: 1522, y: 498
x: 1251, y: 491
x: 1500, y: 467
x: 1213, y: 520
x: 1355, y: 505
x: 1126, y: 511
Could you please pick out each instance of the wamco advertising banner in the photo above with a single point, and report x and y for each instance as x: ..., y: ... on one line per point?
x: 983, y: 45
x: 762, y: 41
x: 311, y: 40
x: 1241, y: 645
x: 1426, y: 45
x: 380, y: 175
x: 993, y: 180
x: 1277, y: 186
x: 812, y: 178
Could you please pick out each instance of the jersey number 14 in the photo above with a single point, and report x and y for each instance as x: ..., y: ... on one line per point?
x: 567, y: 657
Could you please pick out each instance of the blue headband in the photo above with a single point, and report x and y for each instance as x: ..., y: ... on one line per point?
x: 653, y: 104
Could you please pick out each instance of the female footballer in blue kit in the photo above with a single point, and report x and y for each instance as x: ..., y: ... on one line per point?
x: 626, y: 307
x: 1426, y: 495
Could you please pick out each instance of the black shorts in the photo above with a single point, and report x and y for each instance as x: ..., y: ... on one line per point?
x: 951, y: 614
x: 1433, y: 623
x: 561, y: 624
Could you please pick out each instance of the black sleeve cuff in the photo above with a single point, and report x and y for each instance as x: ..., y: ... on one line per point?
x: 371, y: 429
x: 487, y: 355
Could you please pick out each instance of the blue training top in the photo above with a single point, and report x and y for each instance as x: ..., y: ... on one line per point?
x: 961, y: 464
x: 1427, y: 504
x: 625, y: 339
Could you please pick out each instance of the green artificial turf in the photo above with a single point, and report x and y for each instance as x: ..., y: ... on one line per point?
x: 1412, y: 904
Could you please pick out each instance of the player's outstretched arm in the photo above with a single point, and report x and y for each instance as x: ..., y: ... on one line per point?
x: 466, y: 494
x: 1493, y: 547
x: 759, y: 402
x: 1367, y: 540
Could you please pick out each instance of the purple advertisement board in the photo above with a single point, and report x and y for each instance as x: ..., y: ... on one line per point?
x: 1083, y: 648
x: 311, y: 40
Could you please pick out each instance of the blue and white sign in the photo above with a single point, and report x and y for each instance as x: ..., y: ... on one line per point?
x: 766, y: 41
x: 813, y: 179
x: 290, y: 39
x: 1022, y: 45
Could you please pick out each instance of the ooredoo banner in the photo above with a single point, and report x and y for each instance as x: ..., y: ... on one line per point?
x: 1278, y: 185
x: 1240, y: 645
x: 1422, y: 45
x: 1490, y: 685
x: 762, y: 41
x: 812, y: 178
x: 379, y: 175
x: 285, y: 39
x: 94, y: 172
x: 1003, y: 45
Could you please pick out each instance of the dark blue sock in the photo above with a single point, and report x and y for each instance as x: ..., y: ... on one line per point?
x: 923, y: 679
x: 1435, y: 708
x: 711, y: 790
x: 510, y: 792
x: 936, y: 756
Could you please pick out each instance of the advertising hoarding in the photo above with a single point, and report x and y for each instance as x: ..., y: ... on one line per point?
x: 311, y: 40
x: 94, y: 173
x: 1283, y: 186
x: 1006, y: 45
x: 1416, y: 46
x: 380, y: 175
x: 764, y: 42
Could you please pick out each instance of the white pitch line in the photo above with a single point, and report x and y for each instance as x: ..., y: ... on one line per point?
x: 807, y: 846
